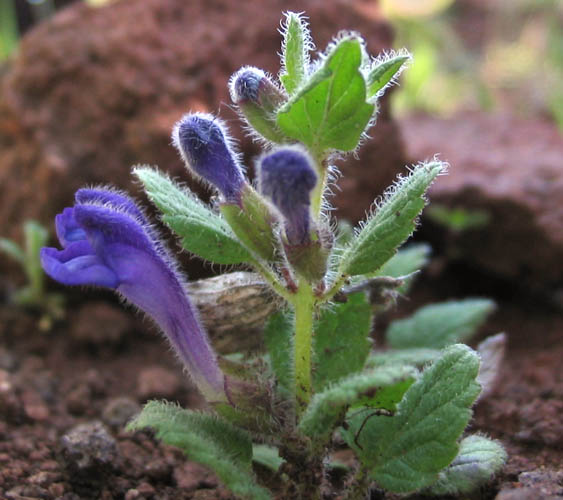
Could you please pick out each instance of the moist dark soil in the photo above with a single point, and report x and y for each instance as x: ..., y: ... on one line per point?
x: 99, y: 365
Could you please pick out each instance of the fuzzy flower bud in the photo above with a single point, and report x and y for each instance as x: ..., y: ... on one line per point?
x: 205, y: 146
x: 258, y: 98
x: 287, y: 177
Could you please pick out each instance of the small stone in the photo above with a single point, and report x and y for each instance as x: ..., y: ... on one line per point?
x: 44, y: 478
x: 34, y: 406
x: 27, y: 492
x: 88, y: 451
x: 144, y: 490
x: 157, y: 382
x: 119, y: 411
x: 57, y: 489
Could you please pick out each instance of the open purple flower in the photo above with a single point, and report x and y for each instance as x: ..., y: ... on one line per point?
x: 287, y: 177
x: 108, y: 242
x: 204, y: 145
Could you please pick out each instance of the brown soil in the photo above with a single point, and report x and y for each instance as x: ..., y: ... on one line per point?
x: 82, y: 373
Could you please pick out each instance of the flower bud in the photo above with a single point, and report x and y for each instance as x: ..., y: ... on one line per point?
x: 287, y: 177
x: 258, y: 98
x: 204, y: 145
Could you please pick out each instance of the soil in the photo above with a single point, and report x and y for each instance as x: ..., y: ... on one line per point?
x: 99, y: 365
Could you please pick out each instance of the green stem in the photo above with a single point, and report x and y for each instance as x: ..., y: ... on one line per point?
x: 272, y: 280
x: 318, y: 192
x: 304, y: 303
x: 334, y: 289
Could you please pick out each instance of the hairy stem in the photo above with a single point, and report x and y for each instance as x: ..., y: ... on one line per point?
x: 272, y: 280
x: 304, y: 303
x: 318, y: 192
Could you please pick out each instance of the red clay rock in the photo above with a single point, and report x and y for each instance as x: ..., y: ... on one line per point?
x: 94, y: 91
x: 514, y: 170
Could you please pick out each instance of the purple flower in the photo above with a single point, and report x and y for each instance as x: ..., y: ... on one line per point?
x: 287, y: 178
x: 108, y: 242
x: 204, y: 145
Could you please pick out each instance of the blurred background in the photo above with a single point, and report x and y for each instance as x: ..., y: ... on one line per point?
x: 89, y: 88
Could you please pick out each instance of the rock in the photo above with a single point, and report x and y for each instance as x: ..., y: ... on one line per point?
x: 88, y: 453
x: 519, y: 494
x: 100, y: 323
x: 544, y: 481
x: 119, y: 411
x: 513, y: 170
x: 157, y: 382
x: 78, y: 106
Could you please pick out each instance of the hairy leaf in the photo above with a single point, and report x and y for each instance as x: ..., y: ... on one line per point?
x: 406, y: 452
x: 342, y: 341
x: 268, y: 456
x: 202, y: 231
x: 413, y: 357
x: 278, y: 340
x: 205, y: 439
x: 383, y: 388
x: 295, y: 51
x: 438, y: 325
x: 384, y: 71
x: 330, y: 111
x: 478, y: 460
x: 406, y: 261
x: 392, y: 223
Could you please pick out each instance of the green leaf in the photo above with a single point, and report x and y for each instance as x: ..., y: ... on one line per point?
x: 36, y: 237
x: 342, y: 342
x: 330, y: 111
x: 268, y: 456
x: 438, y: 325
x: 383, y: 388
x: 406, y: 261
x: 205, y: 439
x: 202, y: 231
x: 295, y: 51
x: 414, y: 357
x: 12, y: 250
x: 406, y: 452
x: 392, y: 223
x: 278, y: 337
x: 384, y: 71
x: 478, y: 460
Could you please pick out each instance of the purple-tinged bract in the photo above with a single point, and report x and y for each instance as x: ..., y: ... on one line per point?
x: 287, y: 177
x: 202, y: 141
x: 107, y: 242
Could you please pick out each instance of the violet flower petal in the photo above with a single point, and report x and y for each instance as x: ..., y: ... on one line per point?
x: 113, y: 197
x: 67, y: 228
x: 77, y: 265
x: 121, y: 253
